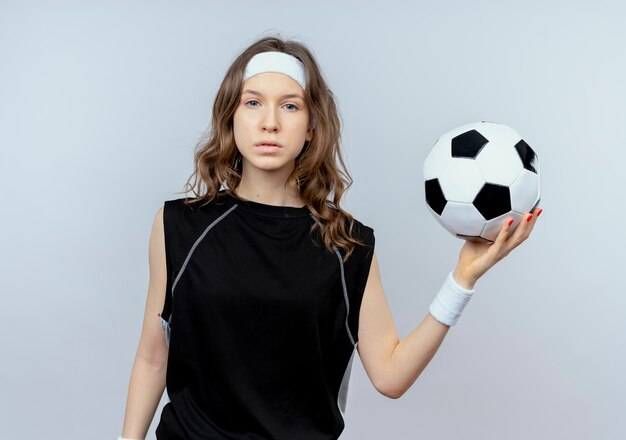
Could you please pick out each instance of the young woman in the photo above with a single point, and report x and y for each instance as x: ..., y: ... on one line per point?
x: 261, y: 285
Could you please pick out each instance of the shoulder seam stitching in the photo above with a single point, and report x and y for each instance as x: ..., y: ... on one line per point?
x: 208, y: 228
x: 343, y: 284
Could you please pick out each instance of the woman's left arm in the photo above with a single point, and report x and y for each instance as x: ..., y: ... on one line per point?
x: 393, y: 365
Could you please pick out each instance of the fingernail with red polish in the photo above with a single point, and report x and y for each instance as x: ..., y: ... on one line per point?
x: 510, y: 222
x: 539, y: 213
x: 529, y: 217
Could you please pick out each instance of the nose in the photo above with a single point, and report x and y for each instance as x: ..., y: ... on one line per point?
x: 270, y: 121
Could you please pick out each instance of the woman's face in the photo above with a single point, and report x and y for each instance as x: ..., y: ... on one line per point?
x: 271, y: 123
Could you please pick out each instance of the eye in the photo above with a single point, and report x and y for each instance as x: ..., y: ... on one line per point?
x: 252, y: 103
x: 291, y: 107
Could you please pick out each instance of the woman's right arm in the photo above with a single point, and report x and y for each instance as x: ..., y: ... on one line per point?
x: 147, y: 380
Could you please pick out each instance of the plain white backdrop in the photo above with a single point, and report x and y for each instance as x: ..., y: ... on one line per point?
x: 101, y: 104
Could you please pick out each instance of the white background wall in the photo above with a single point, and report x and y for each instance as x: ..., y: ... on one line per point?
x: 101, y: 104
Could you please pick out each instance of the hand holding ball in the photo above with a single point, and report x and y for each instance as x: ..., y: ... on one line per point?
x: 479, y: 174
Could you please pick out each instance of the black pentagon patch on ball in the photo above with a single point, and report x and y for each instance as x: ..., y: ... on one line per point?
x: 474, y: 238
x: 528, y: 156
x: 493, y: 200
x: 468, y: 144
x: 434, y: 196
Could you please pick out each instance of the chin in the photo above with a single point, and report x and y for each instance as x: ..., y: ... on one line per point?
x: 269, y: 164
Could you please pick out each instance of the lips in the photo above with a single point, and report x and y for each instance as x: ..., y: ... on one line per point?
x: 268, y: 144
x: 267, y: 147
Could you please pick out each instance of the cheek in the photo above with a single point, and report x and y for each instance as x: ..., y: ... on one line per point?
x: 239, y: 127
x: 304, y: 124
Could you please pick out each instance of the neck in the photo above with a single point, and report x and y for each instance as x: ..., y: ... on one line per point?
x: 269, y: 188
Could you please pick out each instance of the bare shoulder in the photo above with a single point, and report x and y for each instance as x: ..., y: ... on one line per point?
x: 152, y: 345
x: 157, y: 227
x: 156, y: 251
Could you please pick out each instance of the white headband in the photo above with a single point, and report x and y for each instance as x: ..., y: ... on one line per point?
x: 278, y: 62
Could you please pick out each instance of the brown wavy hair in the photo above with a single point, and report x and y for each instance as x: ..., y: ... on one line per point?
x: 320, y: 174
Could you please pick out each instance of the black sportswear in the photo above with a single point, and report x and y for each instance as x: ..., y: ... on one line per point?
x: 261, y: 320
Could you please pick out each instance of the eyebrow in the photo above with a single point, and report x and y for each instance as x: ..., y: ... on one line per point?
x: 289, y: 95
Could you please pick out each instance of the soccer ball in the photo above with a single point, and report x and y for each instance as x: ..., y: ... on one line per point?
x: 478, y: 175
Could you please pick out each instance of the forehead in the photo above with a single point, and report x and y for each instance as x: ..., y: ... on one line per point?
x: 273, y: 83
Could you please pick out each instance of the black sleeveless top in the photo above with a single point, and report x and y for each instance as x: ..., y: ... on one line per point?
x: 261, y: 322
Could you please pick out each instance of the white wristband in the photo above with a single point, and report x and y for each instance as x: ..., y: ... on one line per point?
x: 124, y: 438
x: 450, y: 301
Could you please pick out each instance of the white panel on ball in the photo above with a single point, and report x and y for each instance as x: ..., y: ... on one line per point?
x: 461, y: 189
x: 525, y: 192
x: 493, y: 226
x: 436, y: 162
x: 498, y: 133
x: 441, y: 222
x: 499, y: 162
x: 463, y: 218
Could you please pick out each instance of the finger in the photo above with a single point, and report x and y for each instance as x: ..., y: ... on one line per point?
x: 505, y: 232
x: 497, y: 250
x: 524, y: 228
x: 514, y: 231
x: 532, y: 222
